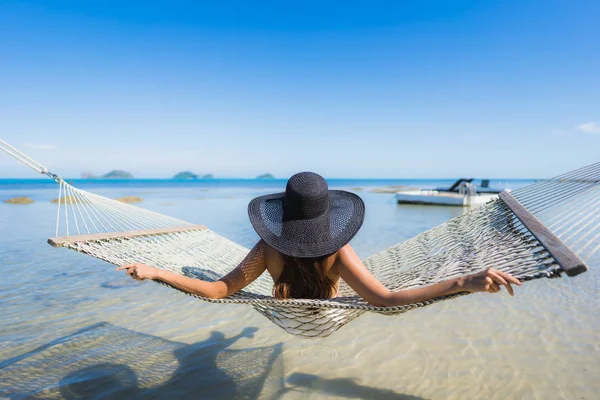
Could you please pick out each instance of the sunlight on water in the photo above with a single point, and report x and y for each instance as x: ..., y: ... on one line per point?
x: 72, y: 327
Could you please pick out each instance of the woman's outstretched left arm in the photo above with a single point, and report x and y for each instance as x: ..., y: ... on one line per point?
x: 251, y: 267
x: 356, y: 275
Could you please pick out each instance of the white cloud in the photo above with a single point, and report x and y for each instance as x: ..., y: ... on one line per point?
x: 40, y: 146
x: 589, y: 127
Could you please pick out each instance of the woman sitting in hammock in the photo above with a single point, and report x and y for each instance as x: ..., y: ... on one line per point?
x: 304, y: 246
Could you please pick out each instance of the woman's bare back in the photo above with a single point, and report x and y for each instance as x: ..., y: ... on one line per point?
x: 275, y: 264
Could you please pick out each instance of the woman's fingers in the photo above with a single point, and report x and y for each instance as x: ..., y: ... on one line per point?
x: 494, y: 288
x: 490, y: 285
x: 126, y: 267
x: 510, y: 278
x: 500, y: 280
x: 505, y: 279
x: 497, y: 277
x: 509, y: 289
x: 130, y: 270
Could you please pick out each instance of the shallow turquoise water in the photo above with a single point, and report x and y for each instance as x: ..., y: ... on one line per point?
x: 72, y: 327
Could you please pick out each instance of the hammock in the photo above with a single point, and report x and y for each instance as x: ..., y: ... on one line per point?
x: 539, y: 231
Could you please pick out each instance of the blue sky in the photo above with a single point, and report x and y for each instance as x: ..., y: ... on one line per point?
x: 406, y: 89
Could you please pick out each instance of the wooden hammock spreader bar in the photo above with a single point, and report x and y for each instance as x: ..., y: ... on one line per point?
x: 61, y: 241
x: 564, y: 256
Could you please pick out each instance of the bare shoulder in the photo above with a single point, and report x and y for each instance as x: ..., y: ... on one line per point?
x: 273, y: 261
x: 345, y: 257
x: 268, y: 251
x: 347, y: 254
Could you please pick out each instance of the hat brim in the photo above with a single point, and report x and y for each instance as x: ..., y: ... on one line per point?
x: 346, y: 216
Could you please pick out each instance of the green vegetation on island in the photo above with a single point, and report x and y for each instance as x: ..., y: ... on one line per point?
x: 265, y: 176
x: 117, y: 174
x: 208, y: 176
x: 185, y: 175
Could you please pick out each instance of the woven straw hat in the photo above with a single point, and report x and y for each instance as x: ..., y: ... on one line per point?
x: 307, y: 220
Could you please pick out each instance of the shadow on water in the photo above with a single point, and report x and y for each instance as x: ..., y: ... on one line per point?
x: 104, y: 361
x: 339, y: 387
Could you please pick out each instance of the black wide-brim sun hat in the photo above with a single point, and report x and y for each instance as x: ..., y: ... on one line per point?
x: 307, y: 220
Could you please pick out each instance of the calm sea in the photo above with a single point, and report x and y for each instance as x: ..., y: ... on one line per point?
x: 72, y: 327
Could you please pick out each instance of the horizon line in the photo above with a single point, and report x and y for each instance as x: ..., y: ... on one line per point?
x: 250, y: 179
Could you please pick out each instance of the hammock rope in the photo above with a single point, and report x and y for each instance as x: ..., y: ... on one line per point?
x: 542, y: 230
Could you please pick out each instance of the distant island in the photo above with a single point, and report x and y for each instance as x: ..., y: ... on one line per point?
x: 114, y: 174
x: 265, y: 176
x: 186, y: 175
x: 191, y: 175
x: 117, y: 174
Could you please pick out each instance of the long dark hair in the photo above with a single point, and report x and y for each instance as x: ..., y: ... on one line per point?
x: 303, y: 278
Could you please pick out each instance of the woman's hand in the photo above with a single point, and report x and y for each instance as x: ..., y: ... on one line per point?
x: 489, y: 281
x: 140, y: 271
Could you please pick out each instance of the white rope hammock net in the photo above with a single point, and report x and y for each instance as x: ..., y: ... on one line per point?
x: 566, y: 220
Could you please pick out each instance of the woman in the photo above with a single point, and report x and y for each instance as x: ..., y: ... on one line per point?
x: 304, y: 246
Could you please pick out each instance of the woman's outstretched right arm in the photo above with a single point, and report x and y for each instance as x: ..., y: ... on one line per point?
x: 355, y: 274
x: 251, y: 267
